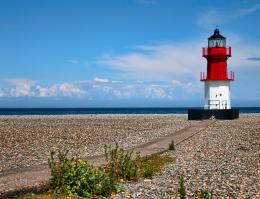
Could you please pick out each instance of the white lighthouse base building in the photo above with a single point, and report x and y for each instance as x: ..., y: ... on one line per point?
x: 217, y: 102
x: 217, y: 95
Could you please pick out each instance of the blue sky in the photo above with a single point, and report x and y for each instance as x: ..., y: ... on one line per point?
x: 97, y: 53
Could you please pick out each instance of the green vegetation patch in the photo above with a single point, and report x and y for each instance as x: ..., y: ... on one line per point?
x: 153, y: 164
x: 125, y: 166
x: 75, y: 178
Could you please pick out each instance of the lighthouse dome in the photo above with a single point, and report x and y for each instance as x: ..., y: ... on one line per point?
x: 216, y: 40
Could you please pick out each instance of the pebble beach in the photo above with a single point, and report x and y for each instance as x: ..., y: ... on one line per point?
x: 27, y: 140
x: 224, y: 157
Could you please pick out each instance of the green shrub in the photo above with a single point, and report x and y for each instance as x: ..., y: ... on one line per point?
x: 182, y: 189
x: 120, y: 164
x: 76, y: 177
x: 172, y: 146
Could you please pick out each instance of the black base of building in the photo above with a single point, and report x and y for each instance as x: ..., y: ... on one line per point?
x: 203, y: 114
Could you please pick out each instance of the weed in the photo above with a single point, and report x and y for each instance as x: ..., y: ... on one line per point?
x: 182, y: 189
x: 126, y: 167
x: 120, y: 164
x: 172, y: 146
x: 76, y: 177
x: 149, y: 171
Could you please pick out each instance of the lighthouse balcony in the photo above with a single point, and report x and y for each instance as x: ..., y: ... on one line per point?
x: 224, y: 51
x: 204, y: 77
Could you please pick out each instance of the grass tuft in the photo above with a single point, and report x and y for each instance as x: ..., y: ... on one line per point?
x: 128, y: 167
x: 172, y: 146
x: 182, y: 188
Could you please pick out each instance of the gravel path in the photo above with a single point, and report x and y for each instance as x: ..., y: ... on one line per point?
x: 225, y: 158
x: 27, y: 140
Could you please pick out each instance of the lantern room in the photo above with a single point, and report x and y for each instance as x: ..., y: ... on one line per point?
x: 216, y: 40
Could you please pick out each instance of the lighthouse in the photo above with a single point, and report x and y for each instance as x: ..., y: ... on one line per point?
x: 217, y: 79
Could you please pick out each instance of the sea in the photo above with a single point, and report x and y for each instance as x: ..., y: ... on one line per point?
x: 87, y: 111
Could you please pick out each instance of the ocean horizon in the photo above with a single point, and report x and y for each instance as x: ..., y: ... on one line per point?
x: 111, y: 110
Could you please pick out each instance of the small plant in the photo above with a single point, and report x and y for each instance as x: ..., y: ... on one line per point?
x: 172, y: 146
x: 182, y: 189
x: 206, y: 194
x: 126, y: 167
x: 120, y: 164
x: 149, y: 171
x: 76, y: 177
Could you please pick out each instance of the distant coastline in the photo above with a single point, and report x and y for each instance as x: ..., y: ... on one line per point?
x: 93, y: 111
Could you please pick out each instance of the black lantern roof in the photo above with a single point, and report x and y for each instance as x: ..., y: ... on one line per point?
x: 216, y: 40
x: 216, y: 35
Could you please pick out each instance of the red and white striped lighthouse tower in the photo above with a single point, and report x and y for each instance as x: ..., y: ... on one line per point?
x: 217, y: 80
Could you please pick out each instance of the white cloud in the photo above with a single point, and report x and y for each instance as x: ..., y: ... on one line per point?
x: 106, y: 89
x: 246, y: 11
x: 190, y: 87
x: 159, y: 62
x: 28, y: 88
x: 70, y: 89
x: 176, y: 83
x: 155, y: 92
x: 95, y: 90
x: 45, y: 92
x: 100, y: 80
x: 182, y: 62
x: 148, y: 90
x: 213, y: 17
x: 21, y: 87
x: 64, y: 89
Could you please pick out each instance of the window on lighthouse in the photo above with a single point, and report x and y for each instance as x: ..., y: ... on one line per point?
x: 216, y: 40
x: 217, y: 43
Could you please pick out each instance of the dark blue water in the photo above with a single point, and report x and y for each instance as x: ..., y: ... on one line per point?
x: 67, y: 111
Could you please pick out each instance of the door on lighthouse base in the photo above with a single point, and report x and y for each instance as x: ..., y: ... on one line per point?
x: 224, y: 104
